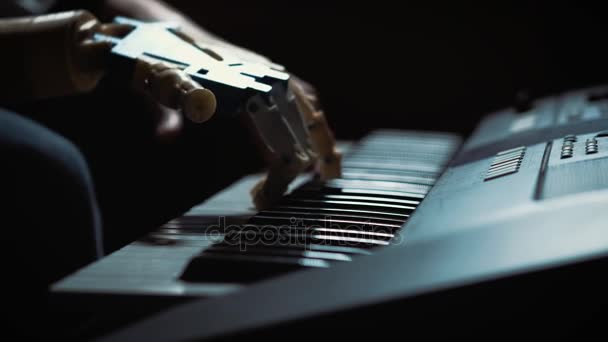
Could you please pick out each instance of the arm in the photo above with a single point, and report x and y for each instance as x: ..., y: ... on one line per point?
x: 56, y: 55
x: 284, y: 112
x: 45, y: 56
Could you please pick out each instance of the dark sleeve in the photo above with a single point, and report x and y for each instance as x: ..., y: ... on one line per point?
x: 14, y: 8
x: 94, y: 6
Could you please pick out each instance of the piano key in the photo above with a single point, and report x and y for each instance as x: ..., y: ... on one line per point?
x: 192, y: 222
x: 225, y: 268
x: 392, y: 171
x: 179, y: 236
x: 433, y: 153
x: 349, y: 225
x: 344, y: 239
x: 310, y: 227
x: 409, y: 139
x: 413, y: 166
x: 398, y: 145
x: 375, y: 199
x: 404, y: 173
x: 178, y: 229
x: 331, y: 211
x: 414, y: 190
x: 308, y: 232
x: 180, y: 240
x: 311, y: 187
x: 383, y: 157
x: 251, y: 236
x: 183, y: 226
x: 391, y: 178
x: 356, y: 216
x: 374, y: 206
x: 269, y: 226
x: 340, y: 231
x: 340, y: 185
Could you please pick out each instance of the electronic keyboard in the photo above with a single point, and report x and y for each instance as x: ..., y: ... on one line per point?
x: 415, y: 215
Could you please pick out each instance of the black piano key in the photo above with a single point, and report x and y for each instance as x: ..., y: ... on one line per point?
x: 327, y: 221
x: 169, y: 229
x: 398, y: 157
x: 337, y: 214
x: 308, y: 227
x: 224, y: 268
x: 263, y: 235
x: 322, y: 188
x: 332, y: 211
x: 363, y: 205
x: 350, y: 240
x: 352, y: 197
x: 317, y: 233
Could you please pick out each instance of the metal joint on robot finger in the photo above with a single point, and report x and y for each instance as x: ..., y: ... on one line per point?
x: 286, y: 103
x: 272, y: 127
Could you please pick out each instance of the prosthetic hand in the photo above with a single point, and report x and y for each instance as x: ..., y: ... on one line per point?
x: 68, y: 53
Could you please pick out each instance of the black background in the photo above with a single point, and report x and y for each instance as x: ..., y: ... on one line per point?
x: 419, y: 65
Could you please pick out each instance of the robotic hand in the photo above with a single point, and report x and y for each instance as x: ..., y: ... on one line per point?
x: 298, y: 136
x: 199, y: 79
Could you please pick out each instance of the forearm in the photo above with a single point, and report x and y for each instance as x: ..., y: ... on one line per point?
x: 144, y: 9
x: 153, y: 10
x: 43, y: 57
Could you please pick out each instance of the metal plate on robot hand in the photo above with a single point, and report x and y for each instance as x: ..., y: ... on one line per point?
x: 231, y: 78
